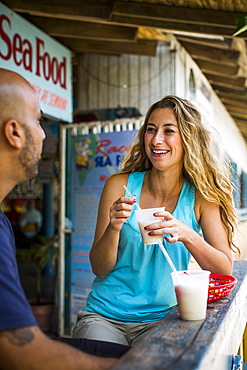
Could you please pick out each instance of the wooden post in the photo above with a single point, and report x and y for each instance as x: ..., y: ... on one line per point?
x: 244, y: 355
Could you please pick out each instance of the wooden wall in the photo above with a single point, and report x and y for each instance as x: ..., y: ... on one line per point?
x: 127, y: 81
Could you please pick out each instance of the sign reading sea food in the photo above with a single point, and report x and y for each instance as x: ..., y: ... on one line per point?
x: 44, y: 62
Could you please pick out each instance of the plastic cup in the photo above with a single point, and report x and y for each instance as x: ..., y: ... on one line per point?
x: 191, y: 289
x: 145, y: 217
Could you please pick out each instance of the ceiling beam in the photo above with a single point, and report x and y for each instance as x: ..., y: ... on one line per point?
x: 173, y: 26
x: 205, y: 21
x: 232, y: 95
x: 237, y: 81
x: 209, y: 53
x: 237, y: 114
x: 148, y: 33
x: 227, y: 88
x: 104, y: 8
x: 242, y: 123
x: 235, y: 95
x: 243, y: 130
x: 73, y: 8
x: 215, y: 67
x: 235, y: 103
x: 185, y: 14
x: 219, y: 44
x: 244, y: 133
x: 236, y: 110
x: 141, y: 47
x: 85, y: 30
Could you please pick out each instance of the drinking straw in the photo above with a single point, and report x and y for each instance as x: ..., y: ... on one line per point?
x: 129, y: 193
x: 160, y: 244
x: 167, y: 256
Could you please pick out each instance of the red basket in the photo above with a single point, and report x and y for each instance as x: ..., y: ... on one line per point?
x: 220, y: 286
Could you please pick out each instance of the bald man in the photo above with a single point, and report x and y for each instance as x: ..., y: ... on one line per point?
x: 22, y: 344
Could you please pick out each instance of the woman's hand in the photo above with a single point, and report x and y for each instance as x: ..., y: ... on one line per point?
x: 120, y: 211
x: 212, y: 251
x: 170, y: 226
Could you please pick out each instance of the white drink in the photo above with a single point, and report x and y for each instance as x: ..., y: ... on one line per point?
x: 147, y: 239
x: 191, y: 289
x: 191, y: 302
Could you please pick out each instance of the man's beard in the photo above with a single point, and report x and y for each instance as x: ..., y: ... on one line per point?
x: 28, y: 158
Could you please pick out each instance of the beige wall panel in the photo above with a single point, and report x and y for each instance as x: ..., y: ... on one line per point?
x: 134, y: 82
x: 113, y: 82
x: 127, y: 80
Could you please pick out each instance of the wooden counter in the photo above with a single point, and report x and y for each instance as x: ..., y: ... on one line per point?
x: 208, y: 344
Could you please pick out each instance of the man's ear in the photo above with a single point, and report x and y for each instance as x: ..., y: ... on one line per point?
x: 14, y: 133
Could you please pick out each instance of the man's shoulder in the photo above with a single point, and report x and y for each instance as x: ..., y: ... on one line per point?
x: 4, y: 221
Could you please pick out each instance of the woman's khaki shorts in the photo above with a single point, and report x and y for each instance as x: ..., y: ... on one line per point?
x: 93, y: 326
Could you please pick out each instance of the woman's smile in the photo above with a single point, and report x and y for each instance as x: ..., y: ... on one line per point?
x: 160, y: 152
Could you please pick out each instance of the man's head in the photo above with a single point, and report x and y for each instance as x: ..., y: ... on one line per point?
x: 21, y: 136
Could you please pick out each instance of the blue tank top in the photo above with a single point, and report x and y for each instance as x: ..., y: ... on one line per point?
x: 139, y: 288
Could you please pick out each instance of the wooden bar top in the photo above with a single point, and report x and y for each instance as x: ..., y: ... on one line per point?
x: 207, y: 344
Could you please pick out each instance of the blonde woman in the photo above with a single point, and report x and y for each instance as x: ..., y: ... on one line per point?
x: 173, y: 163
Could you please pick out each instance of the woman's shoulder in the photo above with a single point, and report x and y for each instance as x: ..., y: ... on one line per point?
x: 120, y: 179
x: 116, y: 181
x: 201, y: 200
x: 202, y: 204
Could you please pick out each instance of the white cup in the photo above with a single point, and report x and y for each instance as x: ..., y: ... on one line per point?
x: 145, y: 217
x: 191, y: 289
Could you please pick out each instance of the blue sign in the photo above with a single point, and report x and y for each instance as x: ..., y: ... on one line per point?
x: 95, y: 158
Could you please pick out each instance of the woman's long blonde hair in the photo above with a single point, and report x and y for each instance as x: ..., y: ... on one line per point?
x: 203, y: 165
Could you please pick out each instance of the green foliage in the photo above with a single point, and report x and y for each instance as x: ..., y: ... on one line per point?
x: 41, y: 251
x: 241, y: 24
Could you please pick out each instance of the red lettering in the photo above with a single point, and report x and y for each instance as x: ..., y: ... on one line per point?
x: 81, y: 252
x: 62, y: 73
x: 5, y: 38
x: 55, y: 69
x: 21, y: 50
x: 57, y: 101
x: 112, y: 149
x: 78, y: 259
x: 101, y: 143
x: 39, y: 43
x: 46, y: 66
x: 49, y: 98
x: 27, y: 56
x: 44, y: 96
x: 50, y: 67
x: 17, y: 48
